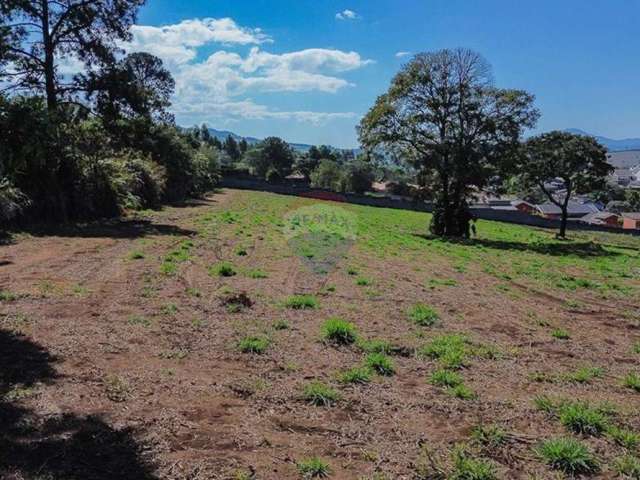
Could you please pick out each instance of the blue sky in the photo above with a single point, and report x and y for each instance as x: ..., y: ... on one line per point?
x: 298, y: 70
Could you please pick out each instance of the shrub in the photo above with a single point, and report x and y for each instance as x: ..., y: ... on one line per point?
x: 567, y: 455
x: 319, y: 394
x: 223, y: 269
x: 339, y: 331
x: 301, y: 302
x: 446, y: 378
x: 356, y: 375
x: 423, y: 315
x: 632, y: 381
x: 314, y: 468
x: 253, y: 344
x: 380, y: 363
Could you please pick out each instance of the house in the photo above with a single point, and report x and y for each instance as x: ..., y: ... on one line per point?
x: 574, y: 210
x: 523, y: 206
x: 601, y: 218
x: 622, y: 176
x: 631, y: 221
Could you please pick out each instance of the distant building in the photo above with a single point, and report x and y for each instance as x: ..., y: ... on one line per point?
x: 622, y: 177
x: 601, y: 218
x: 574, y: 210
x: 631, y: 221
x: 523, y: 206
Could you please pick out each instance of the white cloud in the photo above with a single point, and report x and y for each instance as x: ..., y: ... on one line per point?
x: 402, y: 54
x: 218, y: 86
x: 347, y: 15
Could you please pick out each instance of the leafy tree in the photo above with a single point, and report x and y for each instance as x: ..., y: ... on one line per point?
x: 231, y: 147
x: 243, y: 146
x: 632, y: 197
x: 40, y: 34
x: 272, y: 158
x: 579, y: 161
x: 358, y: 177
x: 443, y: 114
x: 306, y: 163
x: 327, y: 175
x: 136, y: 86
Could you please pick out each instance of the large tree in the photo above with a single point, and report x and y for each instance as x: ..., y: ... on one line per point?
x: 444, y: 116
x: 272, y: 158
x: 579, y: 161
x: 39, y: 35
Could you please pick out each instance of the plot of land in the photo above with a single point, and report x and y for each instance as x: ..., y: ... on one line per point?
x: 195, y: 343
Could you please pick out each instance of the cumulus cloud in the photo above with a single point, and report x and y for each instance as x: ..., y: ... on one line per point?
x: 218, y: 86
x: 402, y: 54
x: 347, y: 15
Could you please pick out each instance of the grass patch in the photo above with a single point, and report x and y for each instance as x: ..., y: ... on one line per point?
x: 632, y: 381
x: 320, y: 394
x: 254, y: 344
x: 339, y: 331
x: 560, y: 334
x: 358, y: 375
x: 451, y: 350
x: 7, y: 296
x: 583, y: 375
x: 467, y: 467
x: 257, y: 274
x: 136, y: 255
x: 446, y: 378
x: 139, y: 320
x: 313, y: 468
x: 423, y: 315
x: 224, y: 269
x: 580, y: 417
x: 567, y: 455
x: 375, y: 346
x: 380, y: 363
x: 363, y: 281
x: 462, y: 392
x: 281, y: 324
x: 623, y: 437
x: 489, y: 437
x: 301, y: 302
x: 627, y: 466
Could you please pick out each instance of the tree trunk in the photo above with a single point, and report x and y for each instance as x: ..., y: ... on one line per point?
x: 49, y: 61
x: 563, y: 223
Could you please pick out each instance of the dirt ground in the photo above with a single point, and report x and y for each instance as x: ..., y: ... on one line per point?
x: 110, y: 369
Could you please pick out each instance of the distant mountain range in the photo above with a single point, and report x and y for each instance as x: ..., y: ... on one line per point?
x: 611, y: 144
x: 223, y: 134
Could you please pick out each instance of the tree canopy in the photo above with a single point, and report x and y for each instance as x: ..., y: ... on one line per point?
x: 444, y: 115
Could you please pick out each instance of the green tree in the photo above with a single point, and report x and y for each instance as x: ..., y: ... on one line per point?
x: 231, y: 147
x: 443, y: 114
x: 579, y: 161
x: 243, y: 146
x: 358, y: 176
x: 632, y: 197
x: 328, y: 174
x: 40, y: 34
x: 272, y: 158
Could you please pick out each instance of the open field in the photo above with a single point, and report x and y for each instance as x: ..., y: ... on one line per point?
x: 194, y: 343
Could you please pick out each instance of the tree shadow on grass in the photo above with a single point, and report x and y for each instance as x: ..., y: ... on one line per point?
x: 565, y: 248
x: 56, y: 447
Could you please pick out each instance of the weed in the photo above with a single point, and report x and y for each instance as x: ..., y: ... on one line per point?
x: 632, y: 381
x: 446, y: 378
x: 313, y: 468
x: 281, y: 324
x: 320, y: 394
x: 489, y: 436
x: 380, y: 363
x: 355, y: 375
x: 301, y: 302
x: 423, y: 315
x: 223, y: 269
x: 623, y: 437
x: 560, y: 334
x: 580, y: 417
x: 253, y: 345
x: 339, y: 331
x: 627, y: 466
x: 567, y: 455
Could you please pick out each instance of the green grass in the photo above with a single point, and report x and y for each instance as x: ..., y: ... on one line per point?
x: 136, y: 255
x: 451, y: 350
x: 560, y: 334
x: 254, y: 344
x: 224, y: 269
x: 7, y: 296
x: 139, y: 320
x: 423, y: 315
x: 363, y: 281
x: 636, y: 348
x: 567, y: 455
x: 281, y: 324
x: 313, y: 468
x: 355, y: 375
x: 489, y: 436
x: 583, y: 375
x: 624, y: 437
x: 462, y: 392
x: 374, y: 345
x: 446, y: 378
x: 339, y: 331
x: 320, y: 394
x: 380, y: 363
x: 301, y: 302
x: 467, y: 467
x: 632, y: 381
x: 257, y: 274
x: 627, y: 466
x: 581, y: 417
